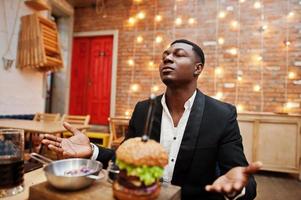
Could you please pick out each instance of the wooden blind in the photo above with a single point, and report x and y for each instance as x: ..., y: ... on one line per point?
x: 39, y: 46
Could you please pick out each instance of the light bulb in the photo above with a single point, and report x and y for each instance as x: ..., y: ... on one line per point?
x: 233, y: 51
x: 131, y: 20
x: 222, y: 14
x: 158, y: 18
x: 291, y: 14
x: 178, y: 21
x: 234, y: 24
x: 256, y: 88
x: 241, y: 1
x: 257, y: 5
x: 240, y: 108
x: 139, y: 39
x: 191, y: 21
x: 141, y: 15
x: 291, y: 75
x: 135, y: 87
x: 219, y: 95
x: 218, y: 71
x: 155, y: 88
x: 239, y: 78
x: 287, y: 43
x: 131, y: 62
x: 159, y: 39
x: 127, y: 113
x: 221, y: 41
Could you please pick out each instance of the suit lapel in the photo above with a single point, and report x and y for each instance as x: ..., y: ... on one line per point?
x: 190, y: 137
x: 156, y: 128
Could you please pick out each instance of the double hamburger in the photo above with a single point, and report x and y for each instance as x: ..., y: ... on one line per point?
x: 141, y: 166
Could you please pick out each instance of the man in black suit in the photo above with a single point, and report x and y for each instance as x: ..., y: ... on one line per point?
x: 200, y: 133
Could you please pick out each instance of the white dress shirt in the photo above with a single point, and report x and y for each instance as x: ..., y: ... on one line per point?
x: 171, y: 136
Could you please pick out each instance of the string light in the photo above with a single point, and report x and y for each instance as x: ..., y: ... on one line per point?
x: 234, y: 24
x: 131, y: 20
x: 222, y: 14
x: 127, y: 113
x: 233, y: 51
x: 191, y: 21
x: 155, y: 88
x: 240, y: 108
x: 221, y: 41
x: 218, y: 71
x: 131, y: 62
x: 135, y: 87
x: 241, y: 1
x: 291, y: 14
x: 141, y: 15
x: 137, y: 1
x: 256, y: 88
x: 287, y: 43
x: 139, y: 39
x: 158, y: 39
x: 291, y: 75
x: 219, y: 95
x: 263, y: 28
x: 178, y: 21
x: 158, y: 18
x: 257, y: 5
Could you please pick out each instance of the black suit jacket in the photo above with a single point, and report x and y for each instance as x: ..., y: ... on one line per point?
x: 211, y: 145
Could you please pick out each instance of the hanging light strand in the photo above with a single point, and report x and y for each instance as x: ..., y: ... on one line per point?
x: 131, y: 63
x: 216, y: 46
x: 238, y: 57
x: 154, y: 49
x: 262, y: 18
x: 286, y: 53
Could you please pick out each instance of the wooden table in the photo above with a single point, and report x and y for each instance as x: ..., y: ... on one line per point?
x: 35, y: 186
x: 37, y: 126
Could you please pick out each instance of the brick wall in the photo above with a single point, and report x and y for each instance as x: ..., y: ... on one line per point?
x: 270, y: 72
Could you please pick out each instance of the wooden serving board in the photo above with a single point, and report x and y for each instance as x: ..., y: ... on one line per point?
x: 98, y: 190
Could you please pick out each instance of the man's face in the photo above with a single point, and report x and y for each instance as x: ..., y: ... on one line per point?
x: 178, y: 65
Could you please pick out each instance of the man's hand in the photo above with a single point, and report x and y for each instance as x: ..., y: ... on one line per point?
x: 77, y: 146
x: 232, y: 183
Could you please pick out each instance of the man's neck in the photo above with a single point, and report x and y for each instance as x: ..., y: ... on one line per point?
x: 176, y: 98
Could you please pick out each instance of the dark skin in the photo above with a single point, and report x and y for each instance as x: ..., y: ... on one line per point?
x: 179, y: 71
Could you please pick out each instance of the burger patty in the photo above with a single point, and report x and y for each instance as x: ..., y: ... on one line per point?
x: 132, y: 182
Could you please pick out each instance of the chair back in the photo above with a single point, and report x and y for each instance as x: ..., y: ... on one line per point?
x: 76, y: 119
x: 118, y: 129
x: 49, y: 117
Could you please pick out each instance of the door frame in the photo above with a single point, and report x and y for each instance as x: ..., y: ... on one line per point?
x: 113, y: 33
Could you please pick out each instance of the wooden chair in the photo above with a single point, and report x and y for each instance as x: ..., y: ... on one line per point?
x: 75, y: 119
x: 50, y: 117
x: 118, y: 129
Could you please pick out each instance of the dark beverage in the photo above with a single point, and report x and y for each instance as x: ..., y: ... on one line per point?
x: 11, y: 174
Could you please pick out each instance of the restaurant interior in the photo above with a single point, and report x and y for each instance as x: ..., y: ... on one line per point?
x: 89, y: 62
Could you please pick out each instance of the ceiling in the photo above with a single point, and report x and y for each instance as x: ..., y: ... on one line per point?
x: 92, y: 3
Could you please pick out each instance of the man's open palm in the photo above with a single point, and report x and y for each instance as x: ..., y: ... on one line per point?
x: 234, y: 180
x: 76, y: 146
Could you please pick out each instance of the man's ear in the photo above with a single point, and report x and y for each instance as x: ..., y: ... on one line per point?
x: 198, y: 69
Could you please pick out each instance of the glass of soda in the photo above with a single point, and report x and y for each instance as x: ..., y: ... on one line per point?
x: 11, y: 161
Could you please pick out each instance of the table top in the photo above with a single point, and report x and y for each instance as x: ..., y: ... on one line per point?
x: 35, y: 182
x: 37, y: 126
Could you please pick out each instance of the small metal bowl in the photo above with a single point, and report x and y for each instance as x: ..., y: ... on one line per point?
x: 55, y: 172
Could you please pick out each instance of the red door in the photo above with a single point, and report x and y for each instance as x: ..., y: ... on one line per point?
x: 91, y: 78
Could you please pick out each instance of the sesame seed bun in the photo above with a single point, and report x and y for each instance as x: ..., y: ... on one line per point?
x: 136, y: 152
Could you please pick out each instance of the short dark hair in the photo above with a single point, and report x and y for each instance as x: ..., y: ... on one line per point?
x: 196, y: 48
